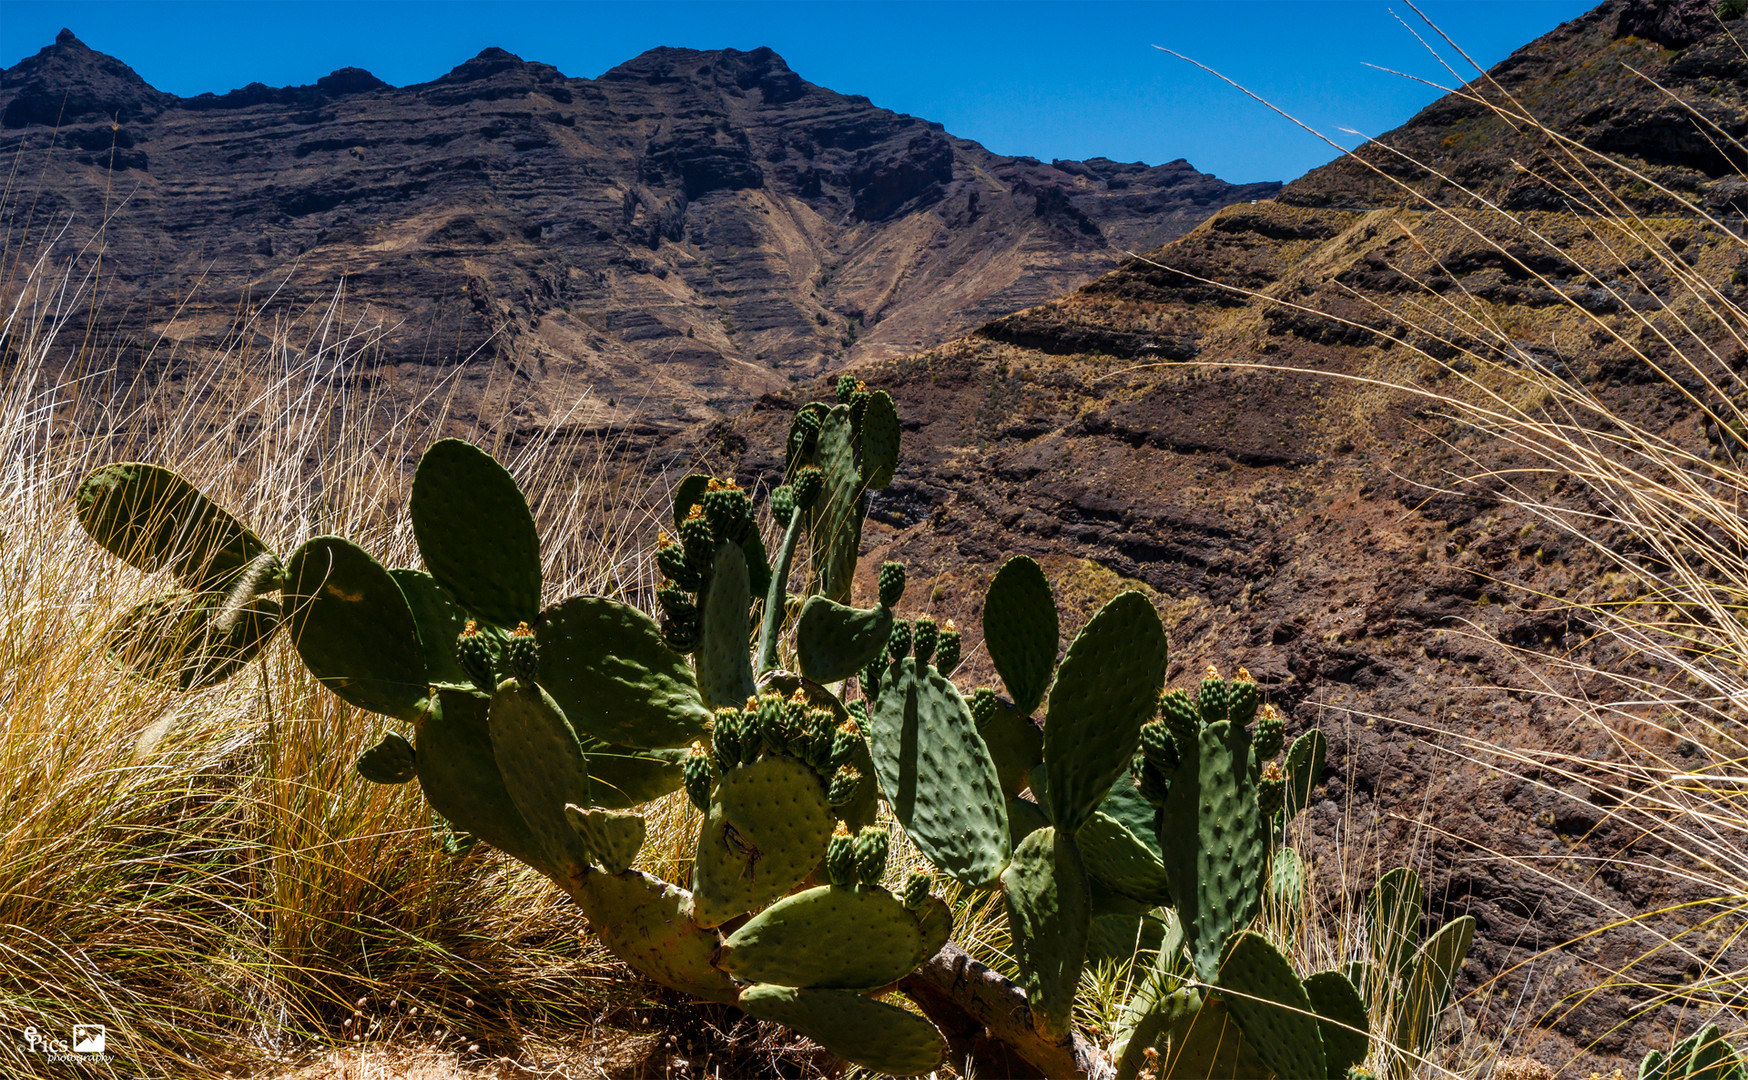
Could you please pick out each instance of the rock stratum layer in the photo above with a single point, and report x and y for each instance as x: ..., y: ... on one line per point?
x: 682, y: 234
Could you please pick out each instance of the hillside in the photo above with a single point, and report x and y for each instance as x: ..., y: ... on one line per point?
x: 686, y: 232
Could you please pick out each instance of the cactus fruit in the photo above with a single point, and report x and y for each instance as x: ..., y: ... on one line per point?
x: 1158, y: 746
x: 809, y: 482
x: 1270, y: 734
x: 727, y: 510
x: 947, y: 653
x: 1243, y: 697
x: 1271, y: 790
x: 916, y: 888
x: 898, y: 642
x: 1020, y: 630
x: 523, y: 654
x: 672, y: 561
x: 1181, y: 718
x: 698, y: 778
x: 871, y: 848
x: 891, y: 584
x: 840, y: 858
x: 390, y: 761
x: 845, y: 782
x: 473, y: 651
x: 923, y: 637
x: 870, y: 676
x: 983, y: 705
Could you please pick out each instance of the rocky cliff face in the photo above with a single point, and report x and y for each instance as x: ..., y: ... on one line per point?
x: 682, y: 234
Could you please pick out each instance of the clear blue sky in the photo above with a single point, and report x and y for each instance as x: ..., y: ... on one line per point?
x: 1049, y: 79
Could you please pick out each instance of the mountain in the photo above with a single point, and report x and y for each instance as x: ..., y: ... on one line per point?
x: 682, y: 234
x: 1316, y: 528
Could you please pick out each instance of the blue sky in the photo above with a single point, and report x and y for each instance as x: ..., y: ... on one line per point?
x: 1049, y: 79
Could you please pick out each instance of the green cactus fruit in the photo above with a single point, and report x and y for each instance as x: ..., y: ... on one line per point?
x: 767, y: 828
x: 861, y: 810
x: 1159, y: 746
x: 625, y: 776
x: 833, y: 641
x: 947, y: 653
x: 881, y: 1038
x: 544, y: 769
x: 924, y: 635
x: 725, y: 738
x: 1214, y: 843
x: 523, y: 653
x: 171, y: 639
x: 916, y: 888
x: 1049, y: 910
x: 845, y: 783
x: 390, y: 761
x: 459, y: 775
x: 752, y: 743
x: 1271, y: 790
x: 698, y: 778
x: 680, y: 634
x: 671, y: 560
x: 937, y: 773
x: 831, y: 936
x: 872, y: 844
x: 782, y: 505
x: 474, y: 652
x: 1269, y: 1002
x: 1104, y: 692
x: 1304, y: 768
x: 439, y: 620
x: 840, y: 858
x: 1341, y: 1020
x: 768, y: 715
x: 803, y: 442
x: 724, y: 665
x: 698, y: 543
x: 644, y: 922
x: 1213, y: 698
x: 983, y: 705
x: 847, y: 386
x: 1020, y: 631
x: 606, y: 665
x: 809, y: 483
x: 1270, y: 734
x: 824, y: 725
x: 476, y: 533
x: 353, y: 629
x: 153, y: 519
x: 858, y: 404
x: 880, y: 433
x: 891, y: 583
x: 1242, y: 698
x: 898, y: 642
x: 728, y: 511
x: 676, y: 603
x: 1181, y: 718
x: 870, y: 676
x: 612, y: 838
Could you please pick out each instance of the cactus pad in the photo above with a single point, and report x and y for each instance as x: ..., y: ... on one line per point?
x: 1269, y: 1002
x: 833, y: 641
x: 879, y: 1037
x: 937, y: 774
x: 644, y: 922
x: 1393, y: 910
x: 725, y: 669
x: 543, y: 768
x: 1049, y: 911
x: 835, y: 523
x: 1120, y: 861
x: 612, y: 838
x: 880, y: 434
x: 1020, y: 630
x: 607, y: 667
x: 353, y: 628
x: 1430, y: 983
x: 152, y: 519
x: 1106, y: 690
x: 623, y: 776
x: 1304, y: 767
x: 475, y: 532
x: 1341, y: 1019
x: 853, y: 938
x: 767, y: 828
x: 461, y: 781
x: 390, y: 761
x: 438, y: 619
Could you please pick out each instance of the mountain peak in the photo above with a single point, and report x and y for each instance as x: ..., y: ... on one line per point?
x: 69, y: 81
x: 733, y: 69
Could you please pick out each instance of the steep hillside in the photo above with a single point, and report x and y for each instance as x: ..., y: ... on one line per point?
x: 682, y: 234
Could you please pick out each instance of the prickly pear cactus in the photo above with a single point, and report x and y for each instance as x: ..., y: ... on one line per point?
x: 1414, y: 979
x: 1704, y: 1055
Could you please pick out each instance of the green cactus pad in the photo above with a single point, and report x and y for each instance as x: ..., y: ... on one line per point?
x: 1106, y: 690
x: 1209, y: 1043
x: 1016, y: 745
x: 1049, y: 910
x: 438, y: 619
x: 1341, y: 1019
x: 625, y: 776
x: 1020, y: 631
x: 1120, y: 861
x: 1287, y: 881
x: 1120, y: 937
x: 461, y: 781
x: 1269, y: 1002
x: 543, y: 768
x: 725, y: 669
x: 767, y: 829
x: 1025, y: 817
x: 1393, y: 910
x: 1704, y: 1055
x: 612, y: 838
x: 172, y: 639
x: 935, y: 919
x: 152, y: 519
x: 606, y: 665
x: 1430, y: 983
x: 353, y: 629
x: 853, y: 938
x: 687, y: 494
x: 880, y: 438
x: 645, y: 922
x: 879, y: 1037
x: 1304, y: 767
x: 833, y: 641
x: 475, y: 532
x: 937, y: 774
x: 390, y: 761
x: 1213, y: 843
x: 834, y: 533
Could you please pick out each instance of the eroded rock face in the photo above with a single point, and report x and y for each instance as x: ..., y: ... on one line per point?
x: 680, y: 235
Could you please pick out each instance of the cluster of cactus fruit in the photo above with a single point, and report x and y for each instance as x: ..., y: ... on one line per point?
x: 1124, y: 822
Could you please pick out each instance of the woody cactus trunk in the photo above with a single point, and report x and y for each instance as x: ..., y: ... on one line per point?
x: 1126, y: 824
